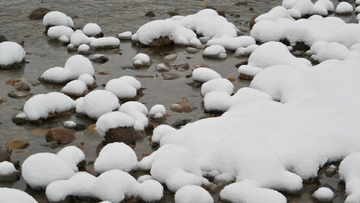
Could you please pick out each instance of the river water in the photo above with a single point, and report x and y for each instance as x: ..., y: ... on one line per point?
x: 117, y: 16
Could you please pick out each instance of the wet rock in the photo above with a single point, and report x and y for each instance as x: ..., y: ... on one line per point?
x: 21, y: 86
x: 19, y: 94
x: 252, y: 21
x: 10, y: 82
x: 172, y: 13
x: 98, y: 58
x: 12, y: 177
x: 245, y: 62
x: 221, y: 13
x: 202, y: 66
x: 2, y: 38
x: 162, y: 41
x: 245, y: 77
x: 231, y: 79
x: 184, y: 66
x: 60, y: 135
x: 180, y: 122
x: 150, y: 14
x: 170, y: 57
x: 3, y: 100
x: 143, y: 76
x: 126, y: 135
x: 17, y: 144
x: 4, y: 156
x: 170, y: 76
x: 80, y: 127
x: 38, y: 13
x: 191, y: 50
x: 182, y: 106
x: 163, y: 67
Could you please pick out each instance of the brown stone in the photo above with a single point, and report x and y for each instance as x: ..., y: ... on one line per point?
x: 16, y: 144
x: 162, y: 41
x: 181, y: 106
x: 221, y: 13
x: 38, y: 13
x: 184, y: 66
x: 245, y: 77
x: 126, y: 135
x: 60, y: 135
x: 4, y: 156
x: 18, y: 120
x: 232, y: 79
x: 202, y: 66
x: 143, y: 76
x: 245, y: 62
x: 21, y: 86
x: 19, y: 94
x: 172, y: 13
x: 150, y: 14
x: 170, y: 76
x: 252, y: 21
x: 10, y: 82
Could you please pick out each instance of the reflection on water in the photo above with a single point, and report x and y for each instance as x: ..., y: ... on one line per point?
x: 115, y: 16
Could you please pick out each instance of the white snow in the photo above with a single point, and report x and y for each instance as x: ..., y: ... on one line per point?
x: 204, y: 74
x: 69, y: 124
x: 79, y: 38
x: 74, y: 88
x: 41, y: 105
x: 143, y: 58
x: 121, y: 88
x: 125, y: 35
x: 83, y: 48
x: 323, y: 194
x: 160, y: 131
x: 113, y: 120
x: 132, y: 80
x: 75, y: 66
x: 232, y: 43
x: 91, y: 29
x: 87, y: 79
x: 57, y: 18
x: 105, y: 42
x: 97, y: 103
x: 56, y: 32
x: 344, y: 7
x: 217, y: 84
x: 349, y: 172
x: 7, y: 168
x: 10, y: 53
x: 10, y: 195
x: 116, y: 156
x: 321, y: 51
x: 133, y: 106
x: 193, y: 194
x: 72, y: 155
x: 158, y: 108
x: 41, y: 169
x: 214, y: 51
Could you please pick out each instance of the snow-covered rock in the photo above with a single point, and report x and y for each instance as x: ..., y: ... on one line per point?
x: 72, y: 155
x: 91, y: 29
x: 157, y: 111
x: 97, y: 103
x: 58, y: 31
x: 7, y: 168
x: 11, y: 195
x: 141, y: 60
x: 217, y: 84
x: 204, y: 74
x: 121, y: 88
x: 10, y: 53
x: 57, y: 18
x: 79, y: 38
x: 323, y: 194
x: 116, y: 156
x: 125, y: 35
x: 193, y: 194
x: 160, y: 131
x: 344, y: 8
x: 105, y: 43
x: 75, y: 88
x: 113, y: 120
x: 215, y: 51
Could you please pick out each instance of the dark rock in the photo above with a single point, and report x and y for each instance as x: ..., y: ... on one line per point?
x: 19, y: 94
x: 162, y: 41
x: 18, y: 120
x: 17, y: 144
x: 98, y: 58
x: 245, y: 62
x: 221, y: 13
x: 182, y: 106
x: 38, y: 13
x: 301, y: 46
x: 143, y: 76
x: 252, y: 21
x: 2, y: 38
x: 172, y: 13
x: 126, y: 135
x: 245, y: 77
x: 163, y: 67
x: 4, y: 156
x: 21, y: 86
x: 170, y: 76
x: 180, y: 122
x: 80, y: 127
x: 60, y: 135
x: 184, y: 66
x: 15, y: 176
x: 150, y: 14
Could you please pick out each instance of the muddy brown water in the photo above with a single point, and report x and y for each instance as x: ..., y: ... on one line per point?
x: 114, y: 17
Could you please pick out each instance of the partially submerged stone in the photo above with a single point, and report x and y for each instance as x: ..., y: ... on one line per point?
x: 17, y: 144
x: 60, y: 135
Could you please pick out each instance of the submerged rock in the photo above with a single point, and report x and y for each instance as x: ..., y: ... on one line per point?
x: 150, y: 14
x: 98, y: 58
x: 21, y: 86
x: 182, y: 106
x: 126, y: 135
x: 17, y: 144
x: 60, y: 135
x: 19, y: 94
x: 4, y: 156
x: 38, y: 13
x: 170, y: 76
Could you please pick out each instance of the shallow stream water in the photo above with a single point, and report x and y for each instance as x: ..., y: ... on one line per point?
x: 117, y: 16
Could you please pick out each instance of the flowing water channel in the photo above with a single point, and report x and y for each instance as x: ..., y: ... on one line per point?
x: 116, y: 16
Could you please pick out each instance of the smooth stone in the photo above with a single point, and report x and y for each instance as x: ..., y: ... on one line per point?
x: 60, y: 135
x: 21, y: 86
x: 18, y: 120
x: 19, y: 94
x: 10, y: 178
x: 181, y: 122
x: 163, y: 67
x: 17, y: 144
x: 192, y: 50
x: 172, y: 13
x: 245, y: 62
x: 4, y: 156
x: 97, y: 58
x: 126, y: 135
x: 182, y: 106
x: 170, y: 57
x: 38, y: 13
x: 184, y: 66
x: 150, y: 14
x: 170, y: 76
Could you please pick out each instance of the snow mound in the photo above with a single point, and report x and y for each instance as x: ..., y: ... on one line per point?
x: 74, y: 88
x: 72, y: 155
x: 10, y: 53
x: 158, y: 110
x: 193, y: 194
x: 91, y: 29
x: 131, y: 106
x: 7, y: 168
x: 232, y: 43
x: 41, y: 105
x: 41, y: 169
x: 204, y: 74
x: 349, y: 172
x: 58, y: 31
x: 217, y: 84
x: 121, y: 88
x: 141, y: 60
x: 10, y: 195
x: 125, y: 35
x: 113, y: 120
x: 344, y: 8
x: 97, y: 103
x: 105, y: 43
x: 323, y: 194
x: 116, y: 156
x: 160, y: 131
x: 215, y: 51
x: 87, y: 78
x: 57, y: 18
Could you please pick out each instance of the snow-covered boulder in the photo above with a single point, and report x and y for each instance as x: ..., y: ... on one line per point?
x: 11, y: 53
x: 125, y: 35
x: 217, y: 84
x: 344, y: 8
x: 72, y: 155
x: 75, y: 88
x: 57, y: 18
x: 323, y: 194
x: 160, y: 131
x: 97, y: 103
x: 193, y: 194
x: 41, y: 169
x: 349, y: 172
x: 41, y: 105
x: 232, y: 43
x: 91, y: 29
x: 11, y: 195
x: 79, y: 38
x: 8, y: 173
x: 141, y: 60
x: 58, y: 31
x: 121, y: 88
x: 105, y: 43
x: 204, y: 74
x: 215, y: 51
x: 157, y: 111
x: 116, y: 156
